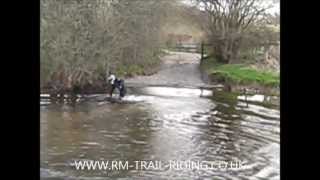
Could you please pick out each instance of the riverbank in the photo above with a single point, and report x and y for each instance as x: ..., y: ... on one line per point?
x: 173, y: 69
x: 145, y: 69
x: 178, y: 69
x: 96, y: 83
x: 240, y: 77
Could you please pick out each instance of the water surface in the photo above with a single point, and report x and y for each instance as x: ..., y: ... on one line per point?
x: 162, y: 124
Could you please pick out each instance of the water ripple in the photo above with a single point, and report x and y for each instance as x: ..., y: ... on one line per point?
x: 179, y: 127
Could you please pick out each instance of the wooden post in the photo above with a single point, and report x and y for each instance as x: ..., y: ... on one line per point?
x: 202, y: 51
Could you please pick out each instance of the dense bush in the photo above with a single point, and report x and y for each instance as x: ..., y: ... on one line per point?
x: 83, y: 39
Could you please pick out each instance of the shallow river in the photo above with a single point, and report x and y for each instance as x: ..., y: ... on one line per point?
x: 166, y: 125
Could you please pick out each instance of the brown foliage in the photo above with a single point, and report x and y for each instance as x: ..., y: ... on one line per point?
x: 229, y: 22
x: 81, y: 40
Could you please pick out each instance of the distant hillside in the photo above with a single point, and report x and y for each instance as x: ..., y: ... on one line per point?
x: 183, y: 25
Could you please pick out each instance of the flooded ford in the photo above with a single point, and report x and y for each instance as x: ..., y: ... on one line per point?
x: 156, y: 126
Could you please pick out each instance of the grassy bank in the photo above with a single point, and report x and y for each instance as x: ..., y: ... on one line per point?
x: 147, y: 68
x: 238, y: 74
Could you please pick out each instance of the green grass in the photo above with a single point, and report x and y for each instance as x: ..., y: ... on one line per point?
x: 240, y: 74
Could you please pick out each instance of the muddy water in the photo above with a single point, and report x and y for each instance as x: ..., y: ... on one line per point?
x: 163, y: 124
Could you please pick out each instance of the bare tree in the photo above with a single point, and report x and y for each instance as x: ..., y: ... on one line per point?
x: 225, y: 23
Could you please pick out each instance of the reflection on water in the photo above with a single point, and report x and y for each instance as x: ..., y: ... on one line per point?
x: 162, y: 124
x: 175, y: 92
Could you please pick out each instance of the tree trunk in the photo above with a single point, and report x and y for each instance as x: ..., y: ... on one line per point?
x: 234, y: 51
x: 221, y: 53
